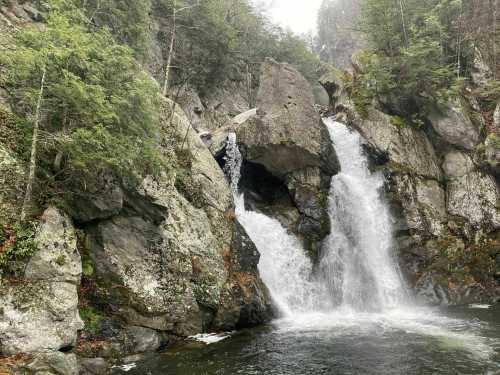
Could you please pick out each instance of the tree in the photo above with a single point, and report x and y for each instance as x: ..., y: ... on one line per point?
x: 416, y: 50
x: 100, y: 110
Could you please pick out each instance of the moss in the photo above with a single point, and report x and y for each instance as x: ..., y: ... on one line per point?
x: 17, y: 243
x: 91, y: 317
x: 87, y: 268
x: 464, y: 265
x: 61, y: 260
x: 397, y: 121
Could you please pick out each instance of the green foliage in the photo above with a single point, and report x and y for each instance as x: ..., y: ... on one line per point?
x: 91, y: 318
x: 17, y: 243
x: 128, y: 20
x: 15, y: 133
x: 412, y: 63
x: 220, y: 39
x: 100, y: 109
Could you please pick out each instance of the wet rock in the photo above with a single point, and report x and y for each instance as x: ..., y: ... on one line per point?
x: 92, y: 366
x: 455, y: 127
x: 52, y: 363
x: 246, y: 302
x: 218, y: 138
x: 429, y: 291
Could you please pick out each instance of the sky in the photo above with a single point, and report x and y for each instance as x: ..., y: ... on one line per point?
x: 299, y: 15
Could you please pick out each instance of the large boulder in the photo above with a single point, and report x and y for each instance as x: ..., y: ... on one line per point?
x: 40, y: 313
x: 455, y: 127
x: 288, y: 138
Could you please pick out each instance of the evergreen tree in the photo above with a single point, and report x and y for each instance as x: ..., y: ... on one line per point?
x: 96, y: 108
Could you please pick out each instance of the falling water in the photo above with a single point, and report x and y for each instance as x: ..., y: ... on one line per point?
x: 357, y: 265
x: 284, y: 266
x: 356, y: 269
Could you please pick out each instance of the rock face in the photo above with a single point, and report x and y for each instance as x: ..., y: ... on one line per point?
x: 456, y: 128
x: 41, y: 313
x: 444, y: 202
x: 288, y: 139
x: 174, y: 249
x: 165, y: 259
x: 472, y: 194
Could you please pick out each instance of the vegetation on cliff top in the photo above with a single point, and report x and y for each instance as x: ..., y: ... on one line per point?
x: 421, y: 52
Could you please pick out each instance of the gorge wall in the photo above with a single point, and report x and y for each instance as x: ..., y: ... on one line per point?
x: 443, y: 185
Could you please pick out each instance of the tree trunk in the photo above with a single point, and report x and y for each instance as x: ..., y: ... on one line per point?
x: 403, y: 22
x: 170, y: 52
x: 32, y: 171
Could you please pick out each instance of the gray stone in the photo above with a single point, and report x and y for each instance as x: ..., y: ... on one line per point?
x: 53, y: 363
x: 33, y: 13
x: 481, y: 72
x: 218, y: 138
x: 429, y: 291
x: 190, y: 102
x: 39, y: 316
x: 455, y: 127
x: 423, y: 203
x: 102, y: 199
x: 143, y: 339
x: 287, y: 134
x: 57, y: 258
x: 333, y: 83
x: 41, y: 313
x: 92, y: 366
x: 407, y: 149
x: 472, y: 194
x: 288, y: 138
x: 167, y: 256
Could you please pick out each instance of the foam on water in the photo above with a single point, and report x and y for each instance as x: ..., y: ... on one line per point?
x: 210, y: 338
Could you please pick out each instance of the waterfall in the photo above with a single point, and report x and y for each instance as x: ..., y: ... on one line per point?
x: 357, y: 264
x: 356, y: 269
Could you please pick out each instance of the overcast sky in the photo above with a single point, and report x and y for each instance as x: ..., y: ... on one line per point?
x: 299, y: 15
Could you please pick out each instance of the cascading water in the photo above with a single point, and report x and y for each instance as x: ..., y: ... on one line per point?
x: 283, y: 266
x: 356, y: 270
x: 356, y: 263
x: 351, y: 316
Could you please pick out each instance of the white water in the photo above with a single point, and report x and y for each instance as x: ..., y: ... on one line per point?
x: 358, y: 288
x: 357, y: 263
